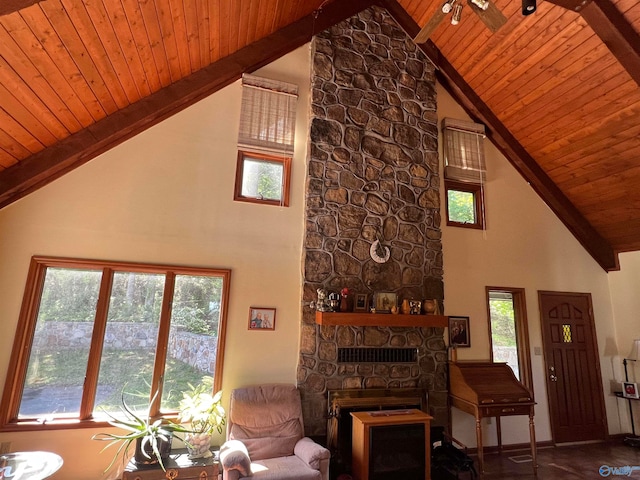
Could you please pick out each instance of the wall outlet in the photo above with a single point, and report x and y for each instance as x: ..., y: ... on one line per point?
x: 5, y: 447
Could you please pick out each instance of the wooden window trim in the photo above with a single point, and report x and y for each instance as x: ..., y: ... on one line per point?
x: 21, y: 352
x: 286, y: 178
x: 522, y: 332
x: 478, y: 195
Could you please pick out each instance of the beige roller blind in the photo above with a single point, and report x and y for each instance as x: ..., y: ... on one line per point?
x: 463, y: 150
x: 268, y: 116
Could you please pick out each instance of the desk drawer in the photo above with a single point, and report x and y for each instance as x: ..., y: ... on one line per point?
x: 504, y: 410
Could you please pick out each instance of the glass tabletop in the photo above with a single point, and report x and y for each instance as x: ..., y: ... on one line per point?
x: 29, y: 465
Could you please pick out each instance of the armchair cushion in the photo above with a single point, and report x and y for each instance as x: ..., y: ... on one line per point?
x: 284, y: 468
x: 234, y: 456
x: 267, y: 419
x: 311, y: 453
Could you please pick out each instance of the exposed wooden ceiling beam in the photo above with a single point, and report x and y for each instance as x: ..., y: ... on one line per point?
x: 10, y: 6
x: 590, y: 239
x: 613, y: 28
x: 49, y: 164
x: 616, y: 32
x: 575, y: 5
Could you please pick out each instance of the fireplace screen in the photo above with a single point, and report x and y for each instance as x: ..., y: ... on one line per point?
x: 397, y: 451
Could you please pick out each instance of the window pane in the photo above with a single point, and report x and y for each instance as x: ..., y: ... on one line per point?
x: 130, y: 340
x: 262, y: 179
x: 193, y: 338
x: 461, y: 206
x: 503, y: 330
x: 58, y: 361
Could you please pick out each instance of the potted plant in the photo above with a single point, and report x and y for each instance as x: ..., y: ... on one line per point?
x: 204, y: 412
x: 152, y: 437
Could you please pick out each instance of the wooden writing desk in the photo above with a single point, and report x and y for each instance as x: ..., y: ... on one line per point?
x: 485, y: 389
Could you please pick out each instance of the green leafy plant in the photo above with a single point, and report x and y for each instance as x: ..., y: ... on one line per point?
x: 151, y: 433
x: 201, y: 409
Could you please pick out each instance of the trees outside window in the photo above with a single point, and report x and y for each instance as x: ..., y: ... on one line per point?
x: 90, y: 330
x: 508, y: 331
x: 465, y: 204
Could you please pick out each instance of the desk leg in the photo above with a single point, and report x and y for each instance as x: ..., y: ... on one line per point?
x: 479, y: 445
x: 534, y: 454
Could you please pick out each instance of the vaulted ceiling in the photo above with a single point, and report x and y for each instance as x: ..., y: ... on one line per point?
x: 558, y: 90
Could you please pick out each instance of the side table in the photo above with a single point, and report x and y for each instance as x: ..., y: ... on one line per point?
x: 178, y: 466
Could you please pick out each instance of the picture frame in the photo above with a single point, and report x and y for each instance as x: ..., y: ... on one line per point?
x: 361, y: 302
x: 459, y: 334
x: 630, y: 390
x: 262, y: 318
x: 383, y: 301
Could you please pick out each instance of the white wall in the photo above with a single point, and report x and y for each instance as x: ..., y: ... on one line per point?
x: 525, y: 246
x: 166, y: 196
x: 624, y: 286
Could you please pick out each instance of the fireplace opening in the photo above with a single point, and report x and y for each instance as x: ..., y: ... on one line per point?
x: 342, y: 402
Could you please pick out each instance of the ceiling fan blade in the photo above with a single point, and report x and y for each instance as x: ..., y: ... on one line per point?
x: 432, y: 24
x: 492, y: 17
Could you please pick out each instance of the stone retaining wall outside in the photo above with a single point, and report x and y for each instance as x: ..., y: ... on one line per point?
x: 197, y: 350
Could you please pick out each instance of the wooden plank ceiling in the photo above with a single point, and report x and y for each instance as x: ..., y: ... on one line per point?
x: 558, y: 89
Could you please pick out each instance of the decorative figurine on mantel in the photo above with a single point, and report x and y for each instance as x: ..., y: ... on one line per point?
x: 334, y: 301
x: 321, y: 303
x: 346, y: 300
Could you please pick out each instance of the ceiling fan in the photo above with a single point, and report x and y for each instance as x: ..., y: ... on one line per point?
x: 490, y: 15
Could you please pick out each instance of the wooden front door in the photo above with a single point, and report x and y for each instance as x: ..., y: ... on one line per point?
x: 574, y: 387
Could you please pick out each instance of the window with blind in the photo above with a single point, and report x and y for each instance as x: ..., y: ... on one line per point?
x: 464, y: 172
x: 265, y: 141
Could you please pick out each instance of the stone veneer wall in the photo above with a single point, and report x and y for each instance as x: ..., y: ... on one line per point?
x: 373, y: 173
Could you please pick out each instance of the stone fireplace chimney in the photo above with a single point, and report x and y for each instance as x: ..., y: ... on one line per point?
x: 372, y: 174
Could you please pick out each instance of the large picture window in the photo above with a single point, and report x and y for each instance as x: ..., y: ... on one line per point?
x: 91, y: 330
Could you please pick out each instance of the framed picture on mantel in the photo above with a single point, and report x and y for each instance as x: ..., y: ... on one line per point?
x: 383, y: 301
x: 361, y: 303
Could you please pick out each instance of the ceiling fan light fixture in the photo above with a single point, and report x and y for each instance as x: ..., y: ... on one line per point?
x: 528, y: 7
x: 457, y: 14
x: 481, y: 4
x: 448, y: 6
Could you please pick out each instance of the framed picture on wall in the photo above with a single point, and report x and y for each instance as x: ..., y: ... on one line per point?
x: 630, y: 390
x: 459, y: 332
x: 261, y: 318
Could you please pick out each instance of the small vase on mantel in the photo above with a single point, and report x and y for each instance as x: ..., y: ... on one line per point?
x: 429, y: 306
x: 405, y: 308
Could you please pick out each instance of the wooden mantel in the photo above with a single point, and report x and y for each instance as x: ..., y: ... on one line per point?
x: 380, y: 320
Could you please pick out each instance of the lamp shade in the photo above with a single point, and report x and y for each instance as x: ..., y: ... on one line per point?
x: 635, y: 351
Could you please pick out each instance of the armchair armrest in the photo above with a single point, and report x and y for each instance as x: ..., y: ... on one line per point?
x: 235, y: 460
x: 311, y: 453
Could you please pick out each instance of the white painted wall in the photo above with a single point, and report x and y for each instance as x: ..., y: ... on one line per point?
x: 166, y: 196
x: 624, y: 285
x: 525, y: 246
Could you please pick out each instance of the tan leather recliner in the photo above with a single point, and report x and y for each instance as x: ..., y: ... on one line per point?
x: 265, y: 437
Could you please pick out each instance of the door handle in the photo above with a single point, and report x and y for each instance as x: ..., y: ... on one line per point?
x: 553, y: 378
